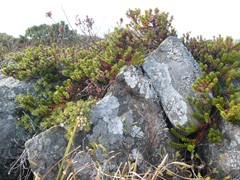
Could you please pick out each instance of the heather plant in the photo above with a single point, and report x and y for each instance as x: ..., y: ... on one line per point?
x: 145, y: 31
x: 68, y: 79
x: 220, y: 64
x: 149, y: 29
x: 61, y: 76
x: 129, y: 45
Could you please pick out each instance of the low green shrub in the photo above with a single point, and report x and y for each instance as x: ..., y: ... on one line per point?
x: 68, y: 80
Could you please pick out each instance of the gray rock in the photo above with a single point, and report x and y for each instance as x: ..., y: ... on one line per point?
x: 225, y: 155
x: 85, y: 168
x: 172, y: 71
x: 12, y: 137
x: 129, y: 122
x: 45, y: 151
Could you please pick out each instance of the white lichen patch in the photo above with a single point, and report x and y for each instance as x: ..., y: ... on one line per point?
x: 230, y: 160
x: 175, y: 54
x: 136, y: 80
x: 115, y: 126
x: 237, y: 136
x: 107, y: 108
x: 145, y: 88
x: 173, y: 103
x: 136, y: 132
x: 8, y: 81
x: 233, y: 144
x: 232, y: 131
x: 136, y: 154
x: 131, y: 79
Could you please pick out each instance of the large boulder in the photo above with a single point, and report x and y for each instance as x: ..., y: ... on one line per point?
x: 129, y: 121
x: 12, y: 137
x: 172, y: 71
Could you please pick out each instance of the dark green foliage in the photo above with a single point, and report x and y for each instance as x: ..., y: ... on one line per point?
x: 214, y: 135
x: 220, y: 63
x: 185, y: 142
x: 58, y: 33
x: 5, y: 44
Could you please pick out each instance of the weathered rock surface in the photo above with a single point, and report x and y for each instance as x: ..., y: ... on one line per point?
x: 45, y: 150
x: 172, y: 71
x: 225, y: 155
x: 129, y: 120
x: 12, y: 137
